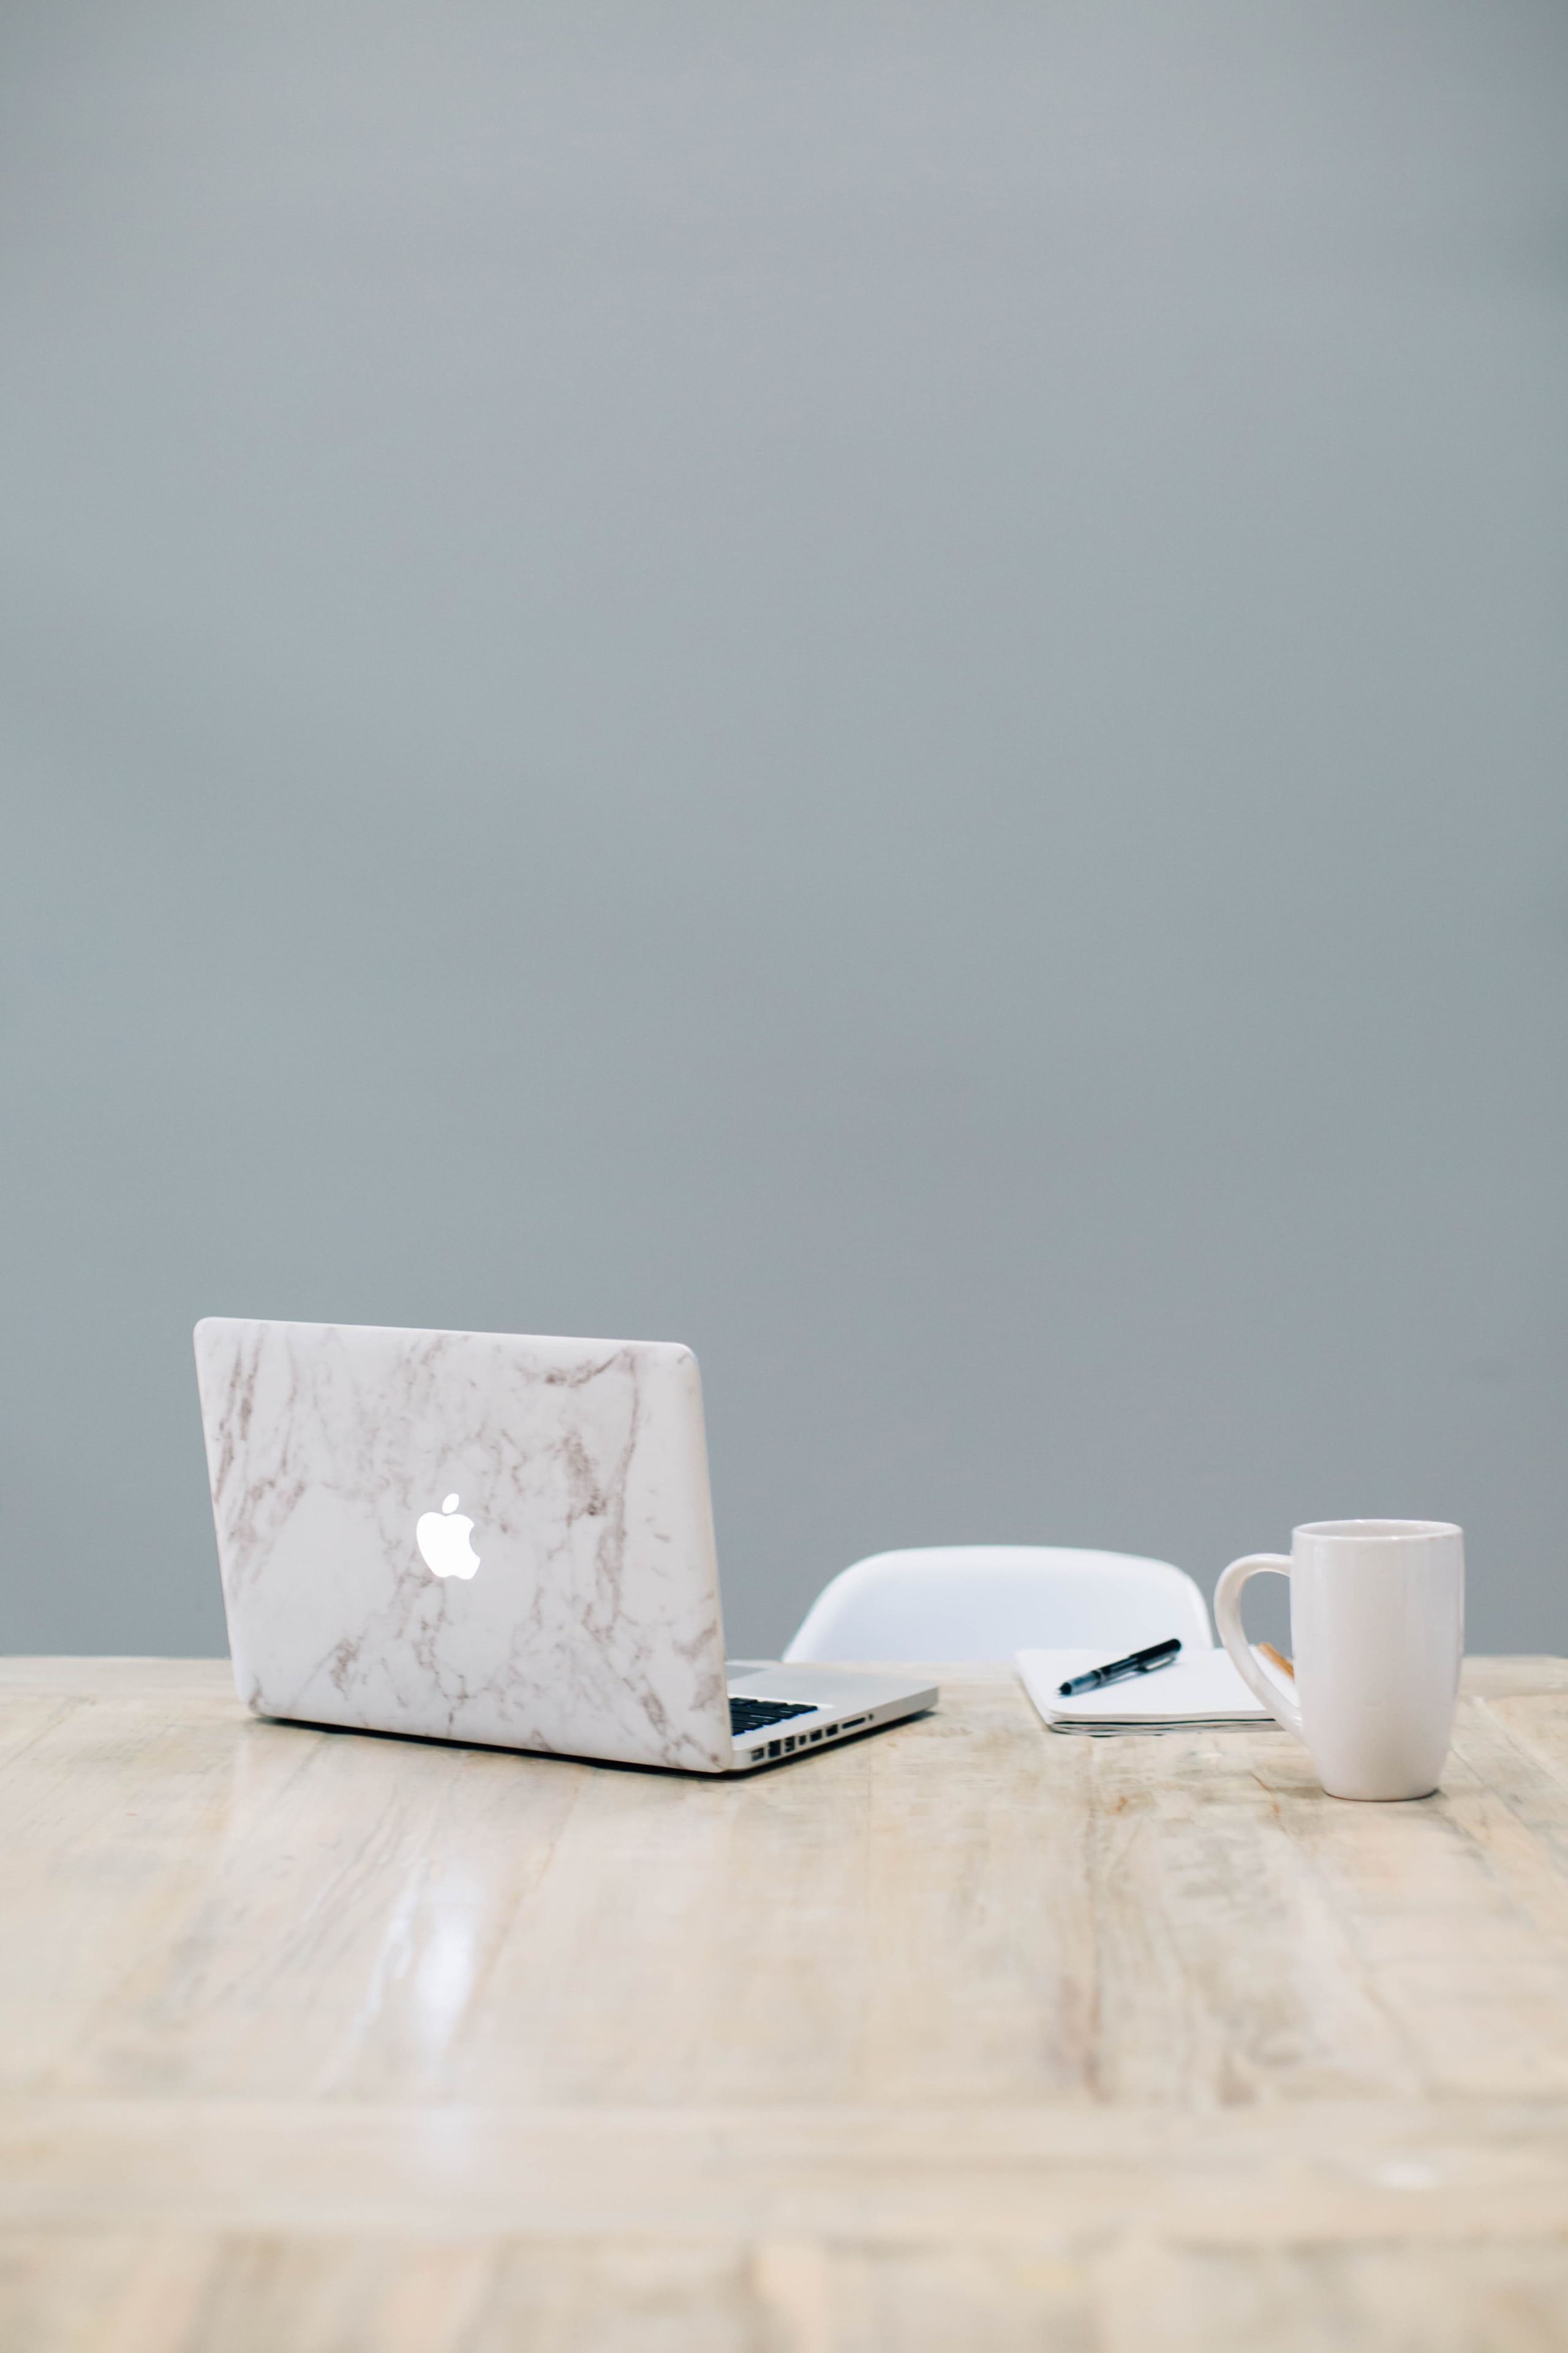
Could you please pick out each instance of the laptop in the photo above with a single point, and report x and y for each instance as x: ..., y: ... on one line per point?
x: 475, y: 1537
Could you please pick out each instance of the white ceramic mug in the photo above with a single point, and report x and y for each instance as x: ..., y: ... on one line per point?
x: 1377, y: 1628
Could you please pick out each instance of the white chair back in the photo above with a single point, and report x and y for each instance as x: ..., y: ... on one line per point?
x: 969, y: 1602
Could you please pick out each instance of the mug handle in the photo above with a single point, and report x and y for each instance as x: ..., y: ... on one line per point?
x: 1227, y: 1618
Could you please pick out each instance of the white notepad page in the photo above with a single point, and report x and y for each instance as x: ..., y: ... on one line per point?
x: 1202, y: 1688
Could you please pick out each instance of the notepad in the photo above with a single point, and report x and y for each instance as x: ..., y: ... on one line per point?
x: 1202, y: 1693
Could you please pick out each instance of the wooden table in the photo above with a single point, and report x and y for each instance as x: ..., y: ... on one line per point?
x: 964, y: 2037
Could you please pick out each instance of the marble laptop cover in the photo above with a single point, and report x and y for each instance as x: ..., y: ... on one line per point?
x: 468, y: 1534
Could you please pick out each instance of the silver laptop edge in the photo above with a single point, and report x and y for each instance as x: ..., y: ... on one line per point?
x: 495, y: 1538
x: 857, y: 1700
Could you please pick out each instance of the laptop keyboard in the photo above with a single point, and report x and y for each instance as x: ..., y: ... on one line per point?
x: 753, y: 1715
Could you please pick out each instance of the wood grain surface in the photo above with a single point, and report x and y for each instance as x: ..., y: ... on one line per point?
x: 963, y: 2036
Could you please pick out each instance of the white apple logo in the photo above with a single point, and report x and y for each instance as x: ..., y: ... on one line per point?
x: 443, y: 1540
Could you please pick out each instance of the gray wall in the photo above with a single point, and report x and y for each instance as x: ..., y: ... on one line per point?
x: 882, y: 688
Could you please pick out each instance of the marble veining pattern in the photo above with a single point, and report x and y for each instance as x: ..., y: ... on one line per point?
x: 592, y: 1626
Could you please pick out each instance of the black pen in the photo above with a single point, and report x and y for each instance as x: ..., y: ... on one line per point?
x: 1140, y: 1663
